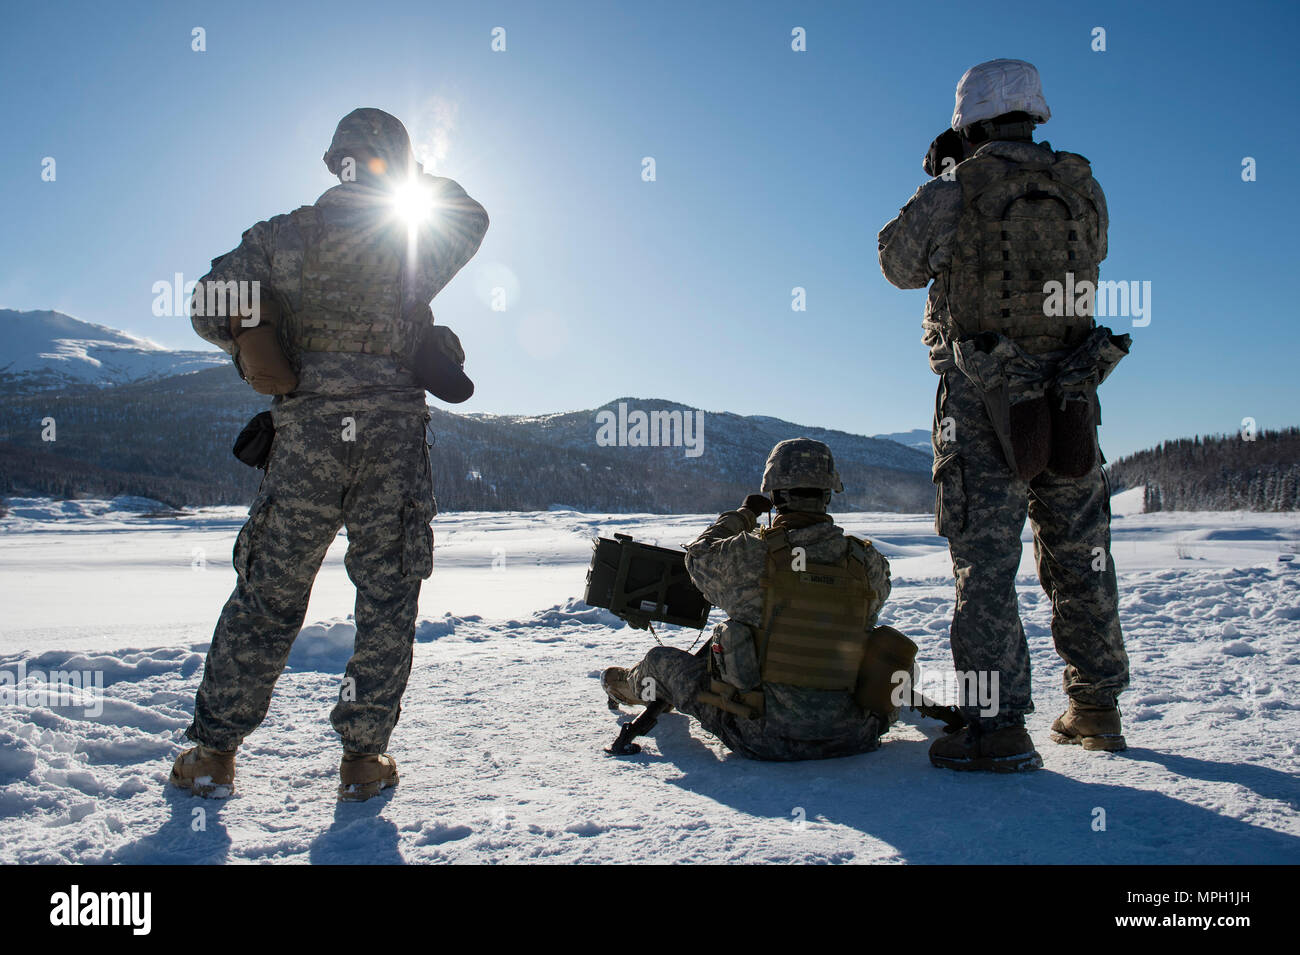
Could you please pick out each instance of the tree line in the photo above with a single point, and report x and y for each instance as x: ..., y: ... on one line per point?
x: 1253, y: 472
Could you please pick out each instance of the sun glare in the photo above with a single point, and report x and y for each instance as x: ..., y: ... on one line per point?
x: 413, y: 202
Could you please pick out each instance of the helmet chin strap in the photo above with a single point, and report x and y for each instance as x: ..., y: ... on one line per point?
x: 990, y: 131
x: 781, y: 502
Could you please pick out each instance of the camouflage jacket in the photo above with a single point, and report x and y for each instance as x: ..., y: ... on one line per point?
x: 916, y: 245
x: 271, y: 252
x: 726, y: 563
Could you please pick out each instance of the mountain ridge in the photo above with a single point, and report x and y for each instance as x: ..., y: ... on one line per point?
x: 43, y: 350
x: 170, y: 439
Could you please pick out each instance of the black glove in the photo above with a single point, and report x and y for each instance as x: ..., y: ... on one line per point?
x: 947, y: 145
x: 438, y: 364
x: 757, y: 504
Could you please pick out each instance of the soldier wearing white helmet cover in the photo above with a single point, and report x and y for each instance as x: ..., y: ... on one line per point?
x: 1016, y: 412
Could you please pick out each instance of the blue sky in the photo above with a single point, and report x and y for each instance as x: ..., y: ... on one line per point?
x: 775, y: 169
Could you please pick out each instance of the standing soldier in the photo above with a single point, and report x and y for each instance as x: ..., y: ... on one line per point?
x: 1016, y: 412
x: 785, y: 671
x: 344, y: 292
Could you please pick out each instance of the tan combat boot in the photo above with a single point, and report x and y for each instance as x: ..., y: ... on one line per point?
x: 362, y: 776
x: 205, y: 772
x: 617, y: 684
x: 1093, y: 727
x: 1005, y: 750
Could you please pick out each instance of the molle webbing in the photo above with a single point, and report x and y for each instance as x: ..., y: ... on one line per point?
x: 1022, y: 225
x: 351, y: 289
x: 814, y: 620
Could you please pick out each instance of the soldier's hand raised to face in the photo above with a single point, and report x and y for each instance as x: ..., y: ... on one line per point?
x: 757, y: 504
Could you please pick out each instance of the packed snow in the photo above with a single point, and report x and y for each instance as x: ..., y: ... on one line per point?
x: 503, y: 726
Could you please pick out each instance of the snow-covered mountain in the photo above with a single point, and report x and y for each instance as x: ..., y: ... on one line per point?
x: 917, y: 439
x: 731, y: 439
x: 41, y: 350
x: 170, y: 440
x: 138, y: 418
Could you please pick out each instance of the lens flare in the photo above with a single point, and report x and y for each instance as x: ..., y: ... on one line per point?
x: 413, y: 202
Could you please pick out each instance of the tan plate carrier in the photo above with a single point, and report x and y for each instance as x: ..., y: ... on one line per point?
x: 814, y: 632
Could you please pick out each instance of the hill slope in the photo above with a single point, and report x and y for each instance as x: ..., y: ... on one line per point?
x: 170, y: 440
x: 43, y: 350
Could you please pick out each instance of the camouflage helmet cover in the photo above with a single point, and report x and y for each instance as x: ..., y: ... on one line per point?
x: 374, y: 130
x: 801, y: 462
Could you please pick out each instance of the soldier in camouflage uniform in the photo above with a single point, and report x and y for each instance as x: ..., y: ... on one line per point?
x: 1016, y: 413
x: 728, y: 563
x: 349, y: 451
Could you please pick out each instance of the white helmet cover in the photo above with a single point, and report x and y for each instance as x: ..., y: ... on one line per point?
x: 997, y: 87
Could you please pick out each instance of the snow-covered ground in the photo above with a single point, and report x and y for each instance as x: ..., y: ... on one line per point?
x: 501, y: 737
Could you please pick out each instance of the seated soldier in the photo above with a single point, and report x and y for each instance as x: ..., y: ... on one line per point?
x: 802, y: 598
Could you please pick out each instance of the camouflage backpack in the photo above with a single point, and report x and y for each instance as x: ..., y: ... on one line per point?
x: 1023, y: 224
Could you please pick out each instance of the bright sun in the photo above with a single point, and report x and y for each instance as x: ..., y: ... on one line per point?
x: 413, y: 202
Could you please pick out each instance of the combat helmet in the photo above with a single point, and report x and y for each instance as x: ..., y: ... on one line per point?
x: 376, y: 132
x: 801, y: 463
x: 996, y: 88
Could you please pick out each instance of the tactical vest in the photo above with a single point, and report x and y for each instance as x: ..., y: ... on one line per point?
x: 1023, y: 224
x: 351, y: 289
x: 815, y: 618
x: 814, y: 632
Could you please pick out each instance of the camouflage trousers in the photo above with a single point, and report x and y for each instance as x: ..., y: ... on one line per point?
x: 980, y: 508
x: 372, y: 478
x: 799, y: 724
